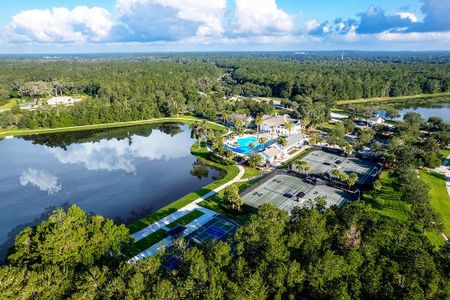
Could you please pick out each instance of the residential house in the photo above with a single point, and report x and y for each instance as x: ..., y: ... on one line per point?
x: 246, y: 120
x: 62, y: 100
x: 277, y: 125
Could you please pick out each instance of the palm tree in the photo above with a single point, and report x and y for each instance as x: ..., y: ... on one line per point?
x: 262, y: 140
x: 225, y: 117
x: 255, y: 159
x: 258, y: 122
x: 289, y: 126
x: 198, y: 131
x: 352, y: 179
x: 231, y: 196
x: 302, y: 166
x: 336, y: 173
x: 282, y: 141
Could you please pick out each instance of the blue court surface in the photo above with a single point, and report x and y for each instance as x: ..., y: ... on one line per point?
x: 218, y: 228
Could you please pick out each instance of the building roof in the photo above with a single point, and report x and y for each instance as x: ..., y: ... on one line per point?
x: 294, y: 139
x: 271, y: 152
x: 242, y: 117
x: 62, y: 100
x: 277, y: 120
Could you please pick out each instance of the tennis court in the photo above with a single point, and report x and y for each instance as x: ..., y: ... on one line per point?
x: 218, y: 228
x: 287, y: 192
x: 322, y: 162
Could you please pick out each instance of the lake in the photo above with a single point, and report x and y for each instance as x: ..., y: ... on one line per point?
x: 425, y: 110
x: 122, y: 173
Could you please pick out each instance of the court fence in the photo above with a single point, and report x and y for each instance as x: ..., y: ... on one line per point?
x: 266, y: 178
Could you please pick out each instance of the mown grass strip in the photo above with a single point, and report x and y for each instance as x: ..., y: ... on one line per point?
x: 146, y: 242
x: 201, y: 152
x: 391, y: 99
x: 440, y: 200
x: 250, y: 172
x: 387, y: 200
x: 186, y: 219
x: 184, y: 120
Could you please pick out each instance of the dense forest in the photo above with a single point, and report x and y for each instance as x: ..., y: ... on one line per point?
x: 142, y: 87
x: 315, y: 253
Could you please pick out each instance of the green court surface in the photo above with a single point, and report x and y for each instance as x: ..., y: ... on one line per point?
x: 287, y: 191
x: 322, y: 162
x: 218, y: 228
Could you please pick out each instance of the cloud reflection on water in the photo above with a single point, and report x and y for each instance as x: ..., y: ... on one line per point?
x: 43, y: 180
x: 119, y: 155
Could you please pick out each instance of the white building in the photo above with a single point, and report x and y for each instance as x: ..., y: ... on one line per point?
x: 62, y: 100
x: 277, y: 152
x: 246, y: 120
x: 277, y: 125
x: 272, y: 154
x: 295, y: 140
x: 375, y: 120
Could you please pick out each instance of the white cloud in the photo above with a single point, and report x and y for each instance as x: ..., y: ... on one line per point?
x: 261, y: 17
x: 312, y: 25
x: 60, y: 25
x: 414, y: 36
x: 206, y: 16
x: 407, y: 15
x: 43, y: 180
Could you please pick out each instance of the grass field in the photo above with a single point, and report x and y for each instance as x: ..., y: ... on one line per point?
x: 8, y: 104
x: 387, y: 200
x: 201, y: 152
x: 250, y: 172
x: 181, y: 119
x: 440, y: 200
x: 186, y: 219
x: 146, y: 243
x: 391, y: 99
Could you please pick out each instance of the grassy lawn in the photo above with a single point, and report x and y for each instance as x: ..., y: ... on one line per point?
x: 391, y: 99
x: 250, y: 172
x: 440, y: 200
x: 186, y: 219
x: 301, y: 155
x: 8, y: 104
x: 445, y: 153
x: 328, y: 126
x: 181, y: 119
x: 216, y: 203
x: 202, y: 153
x: 146, y: 242
x: 387, y: 201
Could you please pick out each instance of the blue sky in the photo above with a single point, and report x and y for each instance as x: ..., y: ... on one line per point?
x: 45, y: 26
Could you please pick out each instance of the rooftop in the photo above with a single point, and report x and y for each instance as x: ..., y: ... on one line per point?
x: 277, y: 120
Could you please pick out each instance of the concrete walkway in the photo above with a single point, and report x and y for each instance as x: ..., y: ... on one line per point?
x: 168, y: 241
x: 161, y: 224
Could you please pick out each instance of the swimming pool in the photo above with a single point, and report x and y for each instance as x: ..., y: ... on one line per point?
x: 248, y: 144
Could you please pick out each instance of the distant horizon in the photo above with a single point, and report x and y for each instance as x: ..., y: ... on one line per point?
x: 107, y: 26
x: 338, y: 51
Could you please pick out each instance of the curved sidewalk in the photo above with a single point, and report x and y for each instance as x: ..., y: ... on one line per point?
x: 185, y: 209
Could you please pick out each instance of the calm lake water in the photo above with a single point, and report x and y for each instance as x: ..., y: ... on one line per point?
x: 429, y: 110
x: 121, y: 173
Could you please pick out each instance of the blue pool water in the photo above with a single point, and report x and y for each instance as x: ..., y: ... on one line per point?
x: 243, y: 145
